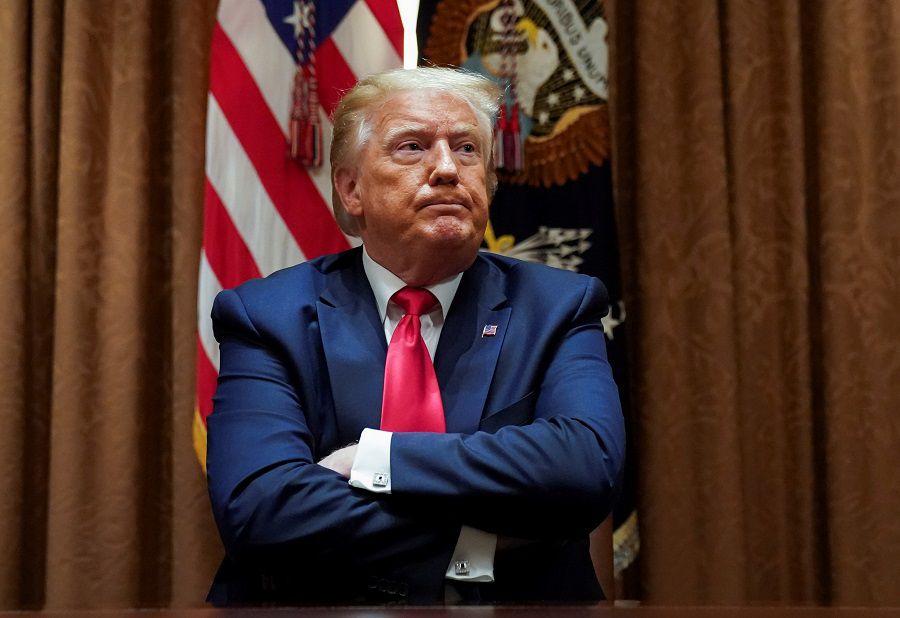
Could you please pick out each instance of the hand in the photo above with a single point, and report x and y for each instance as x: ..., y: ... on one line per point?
x: 340, y: 460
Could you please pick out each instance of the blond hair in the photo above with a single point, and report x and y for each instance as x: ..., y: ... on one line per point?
x: 352, y: 115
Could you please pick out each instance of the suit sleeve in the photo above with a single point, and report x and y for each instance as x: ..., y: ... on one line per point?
x: 272, y: 503
x: 554, y: 477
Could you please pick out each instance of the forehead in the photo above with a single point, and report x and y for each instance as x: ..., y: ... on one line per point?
x: 429, y: 109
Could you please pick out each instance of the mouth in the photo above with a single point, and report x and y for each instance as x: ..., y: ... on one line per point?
x: 442, y: 208
x: 448, y: 206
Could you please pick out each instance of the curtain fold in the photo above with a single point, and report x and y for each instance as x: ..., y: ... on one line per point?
x: 103, y: 149
x: 28, y: 166
x: 756, y: 168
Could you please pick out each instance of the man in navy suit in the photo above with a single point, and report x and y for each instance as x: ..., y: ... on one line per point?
x: 314, y: 503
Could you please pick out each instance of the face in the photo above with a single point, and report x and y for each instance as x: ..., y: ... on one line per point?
x: 419, y: 190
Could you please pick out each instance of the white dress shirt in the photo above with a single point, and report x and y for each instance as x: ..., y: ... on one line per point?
x: 473, y: 558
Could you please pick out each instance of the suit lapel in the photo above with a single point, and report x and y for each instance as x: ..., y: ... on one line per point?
x: 465, y: 359
x: 354, y: 345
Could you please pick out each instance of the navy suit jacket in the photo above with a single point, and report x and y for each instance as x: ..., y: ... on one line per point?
x: 534, y: 444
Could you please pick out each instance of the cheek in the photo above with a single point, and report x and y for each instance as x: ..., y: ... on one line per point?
x: 479, y: 194
x: 471, y: 175
x: 399, y: 186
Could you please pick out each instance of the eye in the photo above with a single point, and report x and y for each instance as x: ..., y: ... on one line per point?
x: 468, y: 147
x: 412, y: 146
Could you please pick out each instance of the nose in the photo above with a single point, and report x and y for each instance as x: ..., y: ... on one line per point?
x: 443, y: 169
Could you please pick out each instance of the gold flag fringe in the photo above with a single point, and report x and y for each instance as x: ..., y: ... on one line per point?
x: 199, y: 438
x: 447, y: 44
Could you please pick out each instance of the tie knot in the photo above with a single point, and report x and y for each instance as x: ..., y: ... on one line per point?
x: 415, y: 301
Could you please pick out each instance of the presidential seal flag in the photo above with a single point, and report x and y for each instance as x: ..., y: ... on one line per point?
x: 554, y: 204
x: 278, y: 69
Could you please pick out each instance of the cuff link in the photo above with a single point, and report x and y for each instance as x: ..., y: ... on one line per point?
x: 461, y: 567
x: 380, y: 479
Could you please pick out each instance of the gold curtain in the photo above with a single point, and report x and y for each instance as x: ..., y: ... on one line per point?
x: 757, y: 158
x: 101, y: 158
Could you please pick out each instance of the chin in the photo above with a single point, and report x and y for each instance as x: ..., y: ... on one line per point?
x: 455, y: 231
x: 454, y: 241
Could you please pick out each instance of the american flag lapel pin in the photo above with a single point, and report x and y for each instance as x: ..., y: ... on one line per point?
x: 489, y: 330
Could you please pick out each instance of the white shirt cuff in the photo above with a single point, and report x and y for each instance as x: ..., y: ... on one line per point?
x: 473, y: 558
x: 371, y: 468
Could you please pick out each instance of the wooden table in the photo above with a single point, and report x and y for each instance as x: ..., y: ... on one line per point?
x: 596, y: 611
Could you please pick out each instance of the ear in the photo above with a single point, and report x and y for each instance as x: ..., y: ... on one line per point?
x: 346, y: 183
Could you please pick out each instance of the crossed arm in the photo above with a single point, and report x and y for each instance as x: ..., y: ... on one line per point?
x: 273, y: 500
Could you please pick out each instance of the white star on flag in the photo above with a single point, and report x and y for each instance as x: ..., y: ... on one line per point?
x: 299, y: 19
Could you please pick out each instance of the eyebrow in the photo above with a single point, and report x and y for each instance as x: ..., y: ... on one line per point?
x: 405, y: 129
x: 465, y: 128
x: 460, y: 130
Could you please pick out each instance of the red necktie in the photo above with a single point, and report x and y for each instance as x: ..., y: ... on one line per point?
x: 412, y: 398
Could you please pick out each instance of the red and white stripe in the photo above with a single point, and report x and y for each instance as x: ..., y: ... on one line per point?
x: 262, y: 210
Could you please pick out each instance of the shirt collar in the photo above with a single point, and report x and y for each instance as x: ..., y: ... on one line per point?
x: 385, y: 284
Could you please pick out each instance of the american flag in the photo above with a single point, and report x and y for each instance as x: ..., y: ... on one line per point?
x: 263, y: 210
